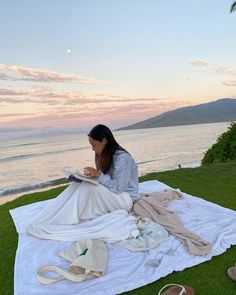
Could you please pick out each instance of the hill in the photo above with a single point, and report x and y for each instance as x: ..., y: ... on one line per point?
x: 222, y: 110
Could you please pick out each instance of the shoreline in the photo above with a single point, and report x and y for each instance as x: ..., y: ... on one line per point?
x: 156, y: 159
x: 12, y: 197
x: 6, y: 199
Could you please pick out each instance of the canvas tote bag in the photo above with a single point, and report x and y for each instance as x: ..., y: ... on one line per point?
x: 88, y: 259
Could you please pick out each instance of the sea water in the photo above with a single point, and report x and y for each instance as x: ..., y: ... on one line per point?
x: 33, y: 163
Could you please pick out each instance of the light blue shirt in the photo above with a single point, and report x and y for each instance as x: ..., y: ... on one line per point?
x: 122, y: 175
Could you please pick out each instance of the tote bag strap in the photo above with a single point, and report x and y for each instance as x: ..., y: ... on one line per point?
x: 182, y: 291
x: 62, y: 275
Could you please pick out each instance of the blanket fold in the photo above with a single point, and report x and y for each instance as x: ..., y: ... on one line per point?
x: 152, y: 205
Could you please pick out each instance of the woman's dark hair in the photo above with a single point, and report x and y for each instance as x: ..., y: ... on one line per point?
x: 104, y: 161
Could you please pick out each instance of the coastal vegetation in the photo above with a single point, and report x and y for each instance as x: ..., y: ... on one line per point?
x: 215, y: 183
x: 224, y: 149
x: 233, y: 6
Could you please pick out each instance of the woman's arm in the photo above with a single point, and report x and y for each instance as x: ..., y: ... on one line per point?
x: 120, y: 175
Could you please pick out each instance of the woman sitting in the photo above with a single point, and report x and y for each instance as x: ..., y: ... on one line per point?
x: 117, y: 175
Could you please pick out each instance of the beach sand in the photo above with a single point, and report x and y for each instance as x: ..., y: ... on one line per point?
x: 6, y: 199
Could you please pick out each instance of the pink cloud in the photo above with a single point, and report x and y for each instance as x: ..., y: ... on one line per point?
x: 19, y: 73
x: 50, y: 107
x: 230, y: 83
x: 13, y: 115
x: 68, y: 118
x: 10, y: 91
x: 213, y: 66
x: 50, y: 96
x: 217, y: 68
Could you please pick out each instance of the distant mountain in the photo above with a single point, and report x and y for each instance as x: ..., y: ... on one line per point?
x: 221, y: 110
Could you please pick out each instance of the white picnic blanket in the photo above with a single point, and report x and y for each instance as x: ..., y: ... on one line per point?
x: 126, y: 270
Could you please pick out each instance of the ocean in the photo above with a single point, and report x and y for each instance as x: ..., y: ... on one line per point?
x: 29, y: 164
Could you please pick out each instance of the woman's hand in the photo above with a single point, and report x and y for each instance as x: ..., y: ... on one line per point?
x: 91, y: 172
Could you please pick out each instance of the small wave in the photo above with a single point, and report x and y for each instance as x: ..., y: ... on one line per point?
x: 192, y: 165
x: 26, y: 144
x: 144, y: 162
x: 31, y: 187
x: 33, y: 143
x: 24, y: 156
x: 16, y: 157
x: 19, y: 145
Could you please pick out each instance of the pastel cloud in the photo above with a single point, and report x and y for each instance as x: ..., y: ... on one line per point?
x: 19, y: 129
x: 49, y: 105
x: 76, y: 116
x: 217, y: 68
x: 213, y: 66
x: 230, y: 83
x: 12, y: 115
x: 9, y: 91
x: 53, y: 107
x: 71, y: 119
x: 107, y: 62
x: 19, y: 73
x: 53, y: 97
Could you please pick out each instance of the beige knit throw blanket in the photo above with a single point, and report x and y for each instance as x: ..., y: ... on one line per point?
x: 152, y: 205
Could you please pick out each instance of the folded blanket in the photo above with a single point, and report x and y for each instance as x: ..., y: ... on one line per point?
x: 151, y: 235
x: 152, y: 205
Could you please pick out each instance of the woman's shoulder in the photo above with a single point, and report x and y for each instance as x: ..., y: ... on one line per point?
x: 121, y: 154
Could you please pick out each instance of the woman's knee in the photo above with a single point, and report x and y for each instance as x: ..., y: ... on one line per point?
x: 90, y: 188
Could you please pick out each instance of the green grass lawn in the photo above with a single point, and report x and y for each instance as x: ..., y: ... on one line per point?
x: 215, y: 183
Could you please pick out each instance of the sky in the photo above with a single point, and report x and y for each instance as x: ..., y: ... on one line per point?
x: 69, y: 65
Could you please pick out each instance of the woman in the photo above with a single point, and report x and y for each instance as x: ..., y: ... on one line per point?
x: 117, y: 175
x: 116, y: 169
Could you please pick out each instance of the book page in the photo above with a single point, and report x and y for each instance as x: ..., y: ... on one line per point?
x: 78, y: 176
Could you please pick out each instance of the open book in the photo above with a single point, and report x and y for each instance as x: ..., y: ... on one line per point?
x: 73, y: 175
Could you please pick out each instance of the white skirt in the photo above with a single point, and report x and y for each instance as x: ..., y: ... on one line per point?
x: 83, y: 201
